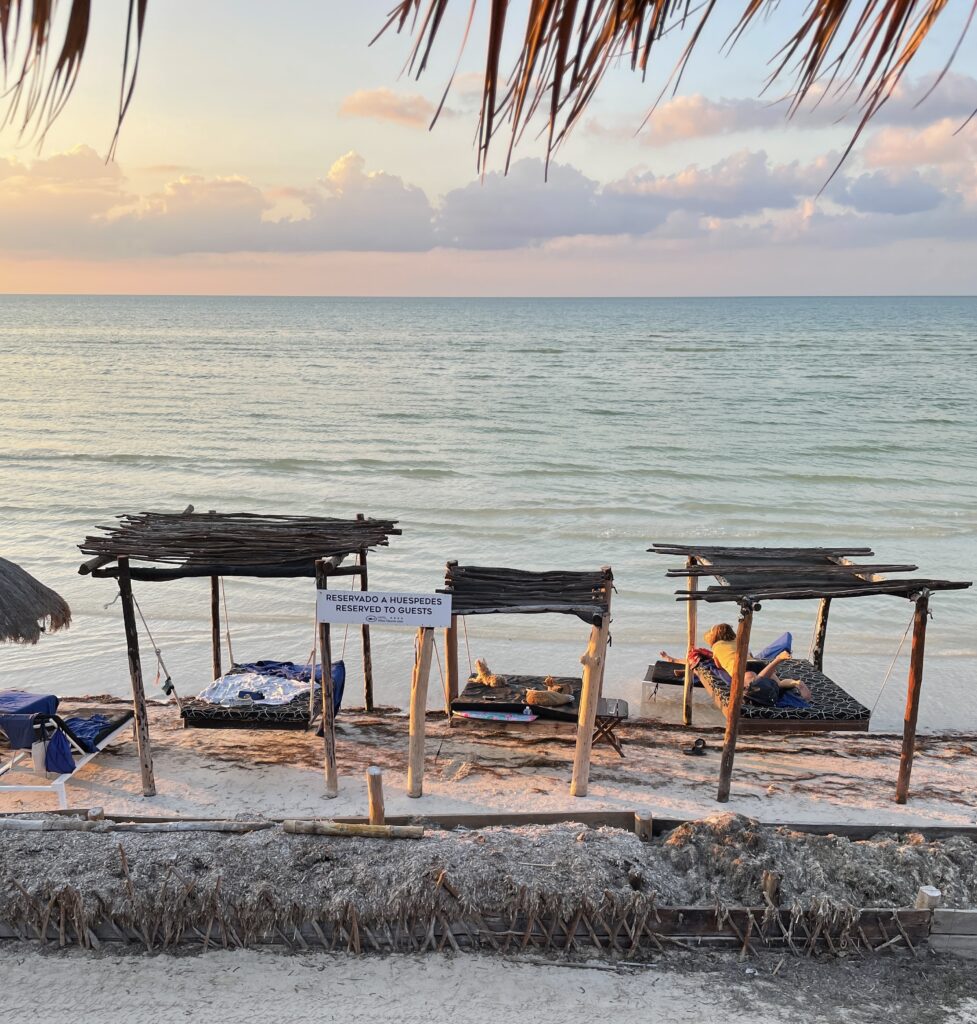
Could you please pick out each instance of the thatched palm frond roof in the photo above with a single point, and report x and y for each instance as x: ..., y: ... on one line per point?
x: 27, y: 607
x: 859, y: 48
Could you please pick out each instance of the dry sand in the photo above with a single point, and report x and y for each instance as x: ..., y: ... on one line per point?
x: 837, y: 778
x: 244, y: 986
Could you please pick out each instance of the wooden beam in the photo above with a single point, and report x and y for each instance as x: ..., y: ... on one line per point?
x: 912, y: 697
x: 418, y: 710
x: 593, y: 665
x: 328, y: 709
x: 735, y: 701
x: 283, y: 571
x: 691, y: 620
x: 143, y: 745
x: 451, y: 685
x: 215, y: 625
x: 820, y: 632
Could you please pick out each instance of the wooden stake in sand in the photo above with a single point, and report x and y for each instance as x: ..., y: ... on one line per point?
x: 735, y: 700
x: 450, y: 664
x: 365, y: 630
x: 418, y: 709
x: 328, y: 707
x: 644, y: 825
x: 215, y: 625
x: 593, y: 669
x: 374, y: 790
x: 691, y: 617
x: 820, y: 632
x: 140, y: 714
x: 912, y: 697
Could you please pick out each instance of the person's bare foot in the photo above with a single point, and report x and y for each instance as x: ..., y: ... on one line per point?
x: 783, y: 656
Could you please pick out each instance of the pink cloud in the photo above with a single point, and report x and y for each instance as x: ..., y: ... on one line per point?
x: 385, y: 105
x: 942, y: 142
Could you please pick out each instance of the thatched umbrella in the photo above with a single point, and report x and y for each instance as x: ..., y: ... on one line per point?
x: 859, y: 48
x: 27, y: 607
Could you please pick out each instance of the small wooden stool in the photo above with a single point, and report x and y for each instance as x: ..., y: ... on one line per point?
x: 611, y: 712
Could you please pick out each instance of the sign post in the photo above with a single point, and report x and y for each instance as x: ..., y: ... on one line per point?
x: 423, y: 612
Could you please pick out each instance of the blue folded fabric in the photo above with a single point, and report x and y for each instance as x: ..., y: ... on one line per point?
x: 338, y: 683
x: 17, y: 711
x: 86, y: 730
x: 784, y: 642
x: 58, y: 755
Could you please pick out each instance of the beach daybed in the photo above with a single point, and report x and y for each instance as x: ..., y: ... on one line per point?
x: 56, y: 747
x: 485, y: 590
x: 748, y: 576
x: 213, y: 545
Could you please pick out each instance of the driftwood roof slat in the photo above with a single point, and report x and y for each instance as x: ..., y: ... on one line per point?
x: 488, y: 590
x: 239, y: 539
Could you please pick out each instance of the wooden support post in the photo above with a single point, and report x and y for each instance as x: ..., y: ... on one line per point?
x: 644, y: 825
x: 820, y: 630
x: 365, y: 634
x: 374, y: 792
x: 593, y: 666
x: 912, y: 697
x: 328, y: 708
x: 215, y: 625
x: 141, y: 716
x: 450, y: 664
x: 691, y: 617
x: 770, y: 880
x: 418, y: 709
x: 735, y: 700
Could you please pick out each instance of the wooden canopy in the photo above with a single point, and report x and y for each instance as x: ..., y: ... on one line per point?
x: 484, y: 590
x: 229, y: 544
x: 792, y: 573
x: 749, y: 575
x: 489, y: 590
x: 215, y: 544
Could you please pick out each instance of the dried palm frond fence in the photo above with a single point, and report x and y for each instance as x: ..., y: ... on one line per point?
x: 562, y: 889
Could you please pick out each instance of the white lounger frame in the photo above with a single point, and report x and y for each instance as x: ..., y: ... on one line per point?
x: 56, y: 783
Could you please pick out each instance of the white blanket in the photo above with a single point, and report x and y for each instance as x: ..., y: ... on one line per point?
x: 274, y: 689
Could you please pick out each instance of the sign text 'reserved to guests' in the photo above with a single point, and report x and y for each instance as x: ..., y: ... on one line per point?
x: 383, y: 608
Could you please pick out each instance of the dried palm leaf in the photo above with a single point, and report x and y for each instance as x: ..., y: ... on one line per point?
x: 860, y: 48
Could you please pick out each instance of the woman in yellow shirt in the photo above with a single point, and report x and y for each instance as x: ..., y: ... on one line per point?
x: 722, y: 639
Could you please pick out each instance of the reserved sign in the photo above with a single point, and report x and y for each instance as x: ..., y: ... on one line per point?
x: 383, y: 608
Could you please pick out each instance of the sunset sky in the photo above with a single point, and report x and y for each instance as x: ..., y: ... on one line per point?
x: 270, y: 150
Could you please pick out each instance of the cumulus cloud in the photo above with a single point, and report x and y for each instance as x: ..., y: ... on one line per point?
x: 943, y: 142
x: 386, y: 105
x: 73, y: 204
x: 914, y: 102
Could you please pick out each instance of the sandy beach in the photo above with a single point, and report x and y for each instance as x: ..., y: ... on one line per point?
x: 229, y: 772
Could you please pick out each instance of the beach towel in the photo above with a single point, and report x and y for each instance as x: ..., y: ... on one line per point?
x: 57, y: 757
x: 87, y: 730
x: 17, y: 711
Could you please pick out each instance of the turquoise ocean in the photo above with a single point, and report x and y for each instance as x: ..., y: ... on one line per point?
x: 533, y: 433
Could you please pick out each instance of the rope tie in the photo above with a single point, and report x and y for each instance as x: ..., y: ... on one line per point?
x: 471, y: 668
x: 167, y: 685
x: 894, y: 660
x: 227, y: 624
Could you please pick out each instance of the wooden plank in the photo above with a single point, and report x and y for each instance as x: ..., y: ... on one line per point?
x: 912, y: 697
x: 736, y: 691
x: 954, y: 922
x: 284, y: 571
x: 956, y: 945
x: 787, y: 568
x: 143, y: 745
x: 418, y: 710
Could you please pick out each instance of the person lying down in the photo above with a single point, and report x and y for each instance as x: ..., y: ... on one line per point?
x: 764, y: 686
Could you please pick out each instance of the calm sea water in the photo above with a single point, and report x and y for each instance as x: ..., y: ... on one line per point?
x: 544, y: 433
